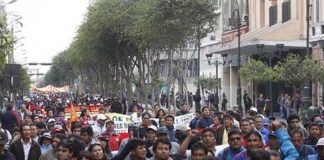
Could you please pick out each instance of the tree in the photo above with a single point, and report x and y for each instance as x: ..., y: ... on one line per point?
x: 256, y: 71
x: 297, y: 71
x: 207, y: 83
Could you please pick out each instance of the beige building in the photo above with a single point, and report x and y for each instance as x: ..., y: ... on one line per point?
x: 269, y: 27
x: 317, y: 40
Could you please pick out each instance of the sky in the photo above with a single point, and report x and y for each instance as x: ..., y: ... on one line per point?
x: 49, y: 27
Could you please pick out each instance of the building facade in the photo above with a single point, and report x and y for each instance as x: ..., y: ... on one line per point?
x: 317, y: 41
x: 279, y: 26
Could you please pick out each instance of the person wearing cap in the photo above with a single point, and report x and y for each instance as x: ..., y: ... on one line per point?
x: 25, y: 148
x: 111, y: 135
x: 99, y: 127
x: 45, y: 142
x: 273, y: 144
x: 320, y: 149
x: 258, y: 120
x: 4, y: 153
x: 150, y: 138
x: 51, y: 153
x: 163, y: 134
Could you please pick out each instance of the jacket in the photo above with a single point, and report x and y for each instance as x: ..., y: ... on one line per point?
x: 18, y: 150
x: 7, y: 156
x: 219, y: 134
x: 287, y: 149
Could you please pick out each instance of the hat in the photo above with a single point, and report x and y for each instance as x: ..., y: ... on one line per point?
x: 3, y: 138
x: 101, y: 117
x: 51, y: 120
x: 58, y: 127
x: 46, y: 135
x: 266, y: 121
x: 162, y: 130
x: 320, y: 142
x: 253, y: 109
x: 152, y: 127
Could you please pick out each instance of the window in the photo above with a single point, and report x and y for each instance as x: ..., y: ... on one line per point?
x: 322, y: 29
x: 313, y: 30
x: 273, y: 15
x: 286, y: 11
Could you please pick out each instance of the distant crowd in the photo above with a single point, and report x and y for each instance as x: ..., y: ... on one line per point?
x: 37, y: 128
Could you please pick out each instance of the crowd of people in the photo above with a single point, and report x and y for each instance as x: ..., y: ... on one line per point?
x: 38, y: 129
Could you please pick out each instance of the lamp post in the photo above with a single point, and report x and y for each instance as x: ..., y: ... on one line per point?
x: 270, y: 56
x: 216, y: 65
x: 239, y: 94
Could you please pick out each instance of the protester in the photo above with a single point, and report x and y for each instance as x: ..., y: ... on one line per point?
x: 222, y: 132
x: 31, y: 149
x: 51, y: 153
x: 97, y: 152
x: 64, y: 150
x: 205, y: 121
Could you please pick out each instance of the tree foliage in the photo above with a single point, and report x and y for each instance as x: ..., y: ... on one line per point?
x: 207, y: 83
x: 6, y: 41
x: 119, y: 38
x: 256, y: 71
x: 296, y: 70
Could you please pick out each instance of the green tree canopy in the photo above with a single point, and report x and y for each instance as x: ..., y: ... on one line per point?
x: 256, y: 71
x: 297, y: 71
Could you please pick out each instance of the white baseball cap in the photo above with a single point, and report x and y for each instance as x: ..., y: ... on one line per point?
x: 320, y: 142
x: 152, y: 127
x: 101, y: 117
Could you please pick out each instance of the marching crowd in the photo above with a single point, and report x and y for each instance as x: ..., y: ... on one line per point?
x: 38, y: 129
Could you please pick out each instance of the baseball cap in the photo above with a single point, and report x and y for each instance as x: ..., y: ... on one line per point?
x: 101, y: 117
x: 3, y: 138
x: 152, y: 127
x: 51, y: 120
x: 162, y: 130
x: 266, y: 121
x: 320, y: 142
x: 253, y: 109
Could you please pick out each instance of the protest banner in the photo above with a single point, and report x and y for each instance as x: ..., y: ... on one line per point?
x: 183, y: 120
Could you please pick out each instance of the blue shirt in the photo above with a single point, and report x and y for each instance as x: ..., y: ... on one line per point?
x: 230, y: 153
x: 265, y: 134
x: 204, y: 122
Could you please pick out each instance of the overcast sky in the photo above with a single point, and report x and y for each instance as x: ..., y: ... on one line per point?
x: 49, y: 27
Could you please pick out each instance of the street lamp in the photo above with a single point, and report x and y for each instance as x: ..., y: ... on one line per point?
x: 216, y: 64
x: 239, y: 94
x: 270, y: 56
